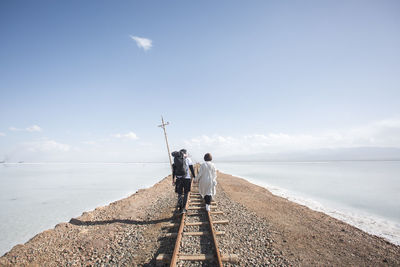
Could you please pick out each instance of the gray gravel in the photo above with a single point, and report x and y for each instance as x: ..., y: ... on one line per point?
x: 246, y: 235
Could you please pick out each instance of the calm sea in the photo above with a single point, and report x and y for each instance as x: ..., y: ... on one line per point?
x: 365, y: 194
x: 36, y: 197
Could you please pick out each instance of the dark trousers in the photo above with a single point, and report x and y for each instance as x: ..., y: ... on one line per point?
x: 207, y: 199
x: 183, y: 187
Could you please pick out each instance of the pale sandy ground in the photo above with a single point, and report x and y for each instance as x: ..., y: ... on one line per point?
x: 131, y: 232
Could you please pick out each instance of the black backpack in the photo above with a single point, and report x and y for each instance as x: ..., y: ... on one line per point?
x: 179, y: 164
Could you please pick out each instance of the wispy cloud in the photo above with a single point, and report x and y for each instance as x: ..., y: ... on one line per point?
x: 33, y: 128
x: 384, y: 133
x: 130, y: 135
x: 44, y: 150
x: 46, y: 146
x: 89, y: 142
x: 141, y: 42
x: 2, y: 134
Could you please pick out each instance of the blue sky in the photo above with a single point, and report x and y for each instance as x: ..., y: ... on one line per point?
x: 231, y: 77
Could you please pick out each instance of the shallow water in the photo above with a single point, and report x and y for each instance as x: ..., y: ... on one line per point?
x: 35, y: 197
x: 362, y: 193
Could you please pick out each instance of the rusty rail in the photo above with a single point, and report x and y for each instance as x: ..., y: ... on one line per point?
x: 174, y: 258
x: 219, y: 259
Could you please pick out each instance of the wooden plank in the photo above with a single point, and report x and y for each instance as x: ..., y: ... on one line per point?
x: 197, y: 223
x: 205, y: 223
x: 204, y: 257
x: 202, y: 233
x: 195, y: 208
x: 198, y: 257
x: 221, y: 222
x: 212, y: 212
x: 216, y: 212
x: 200, y: 208
x: 193, y: 234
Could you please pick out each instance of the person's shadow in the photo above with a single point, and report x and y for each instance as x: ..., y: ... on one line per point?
x: 126, y: 221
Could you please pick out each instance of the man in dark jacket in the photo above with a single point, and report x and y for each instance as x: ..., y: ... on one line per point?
x: 181, y: 178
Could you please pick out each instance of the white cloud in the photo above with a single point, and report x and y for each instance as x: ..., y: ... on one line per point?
x: 385, y: 133
x: 2, y: 134
x: 43, y: 150
x: 89, y: 142
x: 33, y: 128
x: 141, y: 42
x: 130, y: 135
x: 46, y: 146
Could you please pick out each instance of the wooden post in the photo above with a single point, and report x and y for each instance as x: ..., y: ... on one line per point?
x: 166, y: 140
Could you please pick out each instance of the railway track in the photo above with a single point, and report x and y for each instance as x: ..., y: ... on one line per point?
x: 197, y: 227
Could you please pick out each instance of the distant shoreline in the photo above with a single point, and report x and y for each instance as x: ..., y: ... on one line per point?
x: 228, y: 161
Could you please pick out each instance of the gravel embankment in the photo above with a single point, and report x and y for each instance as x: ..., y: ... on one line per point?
x: 247, y: 235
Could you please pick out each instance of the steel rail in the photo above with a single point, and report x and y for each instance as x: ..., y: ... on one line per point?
x: 214, y: 236
x: 178, y: 238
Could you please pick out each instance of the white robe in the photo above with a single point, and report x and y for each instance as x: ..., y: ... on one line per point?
x: 207, y: 178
